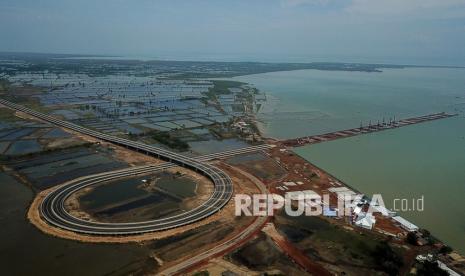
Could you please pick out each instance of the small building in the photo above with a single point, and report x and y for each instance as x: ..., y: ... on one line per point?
x: 407, y: 225
x: 365, y: 220
x: 444, y: 267
x: 421, y: 258
x: 339, y: 190
x: 289, y: 183
x: 357, y: 210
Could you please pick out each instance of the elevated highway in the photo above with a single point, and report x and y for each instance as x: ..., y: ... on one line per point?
x: 53, y: 208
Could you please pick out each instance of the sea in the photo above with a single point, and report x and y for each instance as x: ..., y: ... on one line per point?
x: 424, y: 161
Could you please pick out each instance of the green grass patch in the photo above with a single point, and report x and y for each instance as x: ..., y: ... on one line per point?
x: 350, y: 247
x: 30, y: 102
x: 7, y: 115
x: 4, y: 85
x: 169, y: 140
x: 221, y: 87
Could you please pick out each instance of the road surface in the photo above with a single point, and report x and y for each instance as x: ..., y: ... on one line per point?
x: 53, y: 208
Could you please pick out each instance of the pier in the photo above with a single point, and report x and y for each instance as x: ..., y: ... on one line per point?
x: 308, y: 140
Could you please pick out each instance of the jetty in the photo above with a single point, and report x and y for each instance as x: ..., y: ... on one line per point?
x: 370, y: 128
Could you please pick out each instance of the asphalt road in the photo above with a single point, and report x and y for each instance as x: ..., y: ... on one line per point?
x: 53, y: 208
x: 227, y: 245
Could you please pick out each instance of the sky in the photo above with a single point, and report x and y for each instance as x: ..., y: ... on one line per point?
x: 387, y: 31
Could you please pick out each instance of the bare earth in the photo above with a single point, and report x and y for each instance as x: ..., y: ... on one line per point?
x: 34, y: 217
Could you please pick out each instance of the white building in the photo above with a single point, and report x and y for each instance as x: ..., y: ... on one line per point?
x: 289, y: 183
x: 365, y: 220
x: 357, y: 210
x: 444, y: 267
x: 407, y: 225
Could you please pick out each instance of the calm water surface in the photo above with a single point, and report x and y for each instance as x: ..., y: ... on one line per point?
x: 24, y: 250
x: 426, y: 159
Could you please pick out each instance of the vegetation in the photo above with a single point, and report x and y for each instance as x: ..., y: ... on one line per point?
x: 201, y: 273
x: 28, y: 101
x: 352, y: 248
x: 221, y: 87
x: 430, y: 268
x: 7, y: 115
x: 428, y: 237
x: 445, y: 249
x: 5, y: 157
x: 259, y: 254
x: 412, y: 238
x: 387, y: 259
x: 4, y: 85
x: 169, y: 140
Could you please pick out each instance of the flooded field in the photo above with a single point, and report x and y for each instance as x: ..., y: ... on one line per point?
x: 135, y: 106
x: 23, y: 244
x: 182, y: 186
x: 211, y: 146
x: 140, y: 198
x: 20, y: 137
x: 23, y: 147
x: 27, y: 155
x: 49, y: 169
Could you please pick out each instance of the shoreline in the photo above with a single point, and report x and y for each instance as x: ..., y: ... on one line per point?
x: 344, y: 183
x: 331, y: 175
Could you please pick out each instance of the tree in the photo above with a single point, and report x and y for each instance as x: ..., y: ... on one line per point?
x: 431, y: 269
x: 425, y: 233
x: 445, y: 249
x: 387, y: 259
x: 412, y: 238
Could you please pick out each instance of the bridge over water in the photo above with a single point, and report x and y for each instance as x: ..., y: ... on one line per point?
x: 314, y: 139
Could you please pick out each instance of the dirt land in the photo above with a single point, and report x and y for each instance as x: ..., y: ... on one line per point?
x: 217, y: 266
x: 121, y: 153
x: 226, y: 216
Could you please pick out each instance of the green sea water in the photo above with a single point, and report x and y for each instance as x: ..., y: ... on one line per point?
x: 421, y: 160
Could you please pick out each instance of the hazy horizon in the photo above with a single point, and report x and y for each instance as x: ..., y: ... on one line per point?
x: 420, y: 32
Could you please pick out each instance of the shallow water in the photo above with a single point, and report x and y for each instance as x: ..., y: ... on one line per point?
x: 395, y: 164
x: 114, y: 192
x: 23, y: 147
x: 211, y: 146
x: 181, y: 186
x: 56, y: 133
x: 24, y: 250
x: 312, y: 102
x: 3, y: 146
x: 127, y: 194
x: 18, y: 133
x: 426, y: 159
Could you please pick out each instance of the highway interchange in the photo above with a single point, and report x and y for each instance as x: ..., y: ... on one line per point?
x: 52, y: 208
